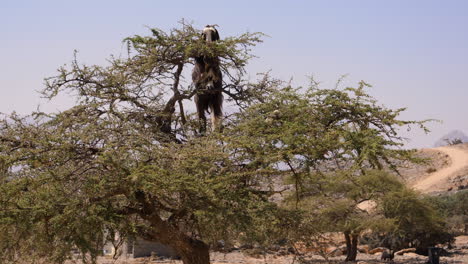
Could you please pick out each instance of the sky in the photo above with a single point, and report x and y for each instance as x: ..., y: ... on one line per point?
x: 414, y: 53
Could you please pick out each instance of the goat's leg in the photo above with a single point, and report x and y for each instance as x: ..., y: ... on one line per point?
x: 201, y: 122
x: 201, y: 106
x: 217, y: 112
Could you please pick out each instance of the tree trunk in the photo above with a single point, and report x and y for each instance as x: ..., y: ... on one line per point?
x: 195, y: 252
x: 191, y: 250
x: 351, y: 246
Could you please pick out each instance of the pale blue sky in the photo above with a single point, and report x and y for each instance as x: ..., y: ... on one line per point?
x: 415, y: 53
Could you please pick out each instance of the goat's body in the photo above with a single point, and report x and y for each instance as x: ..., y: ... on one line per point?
x: 208, y: 80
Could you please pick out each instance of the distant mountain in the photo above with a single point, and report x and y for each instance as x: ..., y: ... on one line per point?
x: 455, y: 134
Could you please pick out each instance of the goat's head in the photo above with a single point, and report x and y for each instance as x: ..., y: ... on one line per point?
x: 210, y: 34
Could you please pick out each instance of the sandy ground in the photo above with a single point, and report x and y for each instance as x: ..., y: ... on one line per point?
x: 459, y: 255
x: 445, y: 163
x: 436, y: 181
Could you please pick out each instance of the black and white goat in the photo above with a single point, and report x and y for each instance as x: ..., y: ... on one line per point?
x: 208, y: 80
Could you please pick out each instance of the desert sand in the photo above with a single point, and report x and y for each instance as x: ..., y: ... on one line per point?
x: 437, y: 180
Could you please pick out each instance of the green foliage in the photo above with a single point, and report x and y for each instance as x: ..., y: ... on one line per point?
x: 332, y: 145
x: 416, y: 222
x: 454, y: 208
x: 306, y: 129
x: 73, y: 185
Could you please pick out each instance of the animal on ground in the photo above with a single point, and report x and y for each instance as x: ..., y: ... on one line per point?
x: 208, y: 80
x: 387, y: 255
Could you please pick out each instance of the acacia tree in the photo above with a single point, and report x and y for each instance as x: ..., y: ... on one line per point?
x: 126, y: 158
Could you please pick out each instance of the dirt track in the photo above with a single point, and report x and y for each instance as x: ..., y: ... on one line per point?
x: 435, y: 181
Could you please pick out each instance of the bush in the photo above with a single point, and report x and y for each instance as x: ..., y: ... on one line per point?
x: 412, y: 221
x: 454, y: 208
